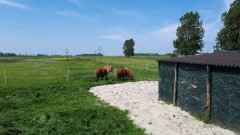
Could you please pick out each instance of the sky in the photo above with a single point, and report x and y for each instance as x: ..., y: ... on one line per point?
x: 83, y: 26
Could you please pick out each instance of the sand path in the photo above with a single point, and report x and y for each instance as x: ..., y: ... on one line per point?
x: 156, y: 117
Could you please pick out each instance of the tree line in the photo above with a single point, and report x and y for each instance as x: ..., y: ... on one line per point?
x: 190, y: 34
x: 7, y: 54
x: 98, y: 54
x: 146, y: 54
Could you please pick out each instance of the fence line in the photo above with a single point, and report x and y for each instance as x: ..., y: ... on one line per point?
x: 147, y: 62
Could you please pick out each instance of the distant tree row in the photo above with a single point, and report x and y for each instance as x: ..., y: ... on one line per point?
x: 41, y: 55
x: 7, y: 54
x: 98, y: 54
x: 146, y: 54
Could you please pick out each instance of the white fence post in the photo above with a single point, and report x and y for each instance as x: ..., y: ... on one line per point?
x: 147, y: 66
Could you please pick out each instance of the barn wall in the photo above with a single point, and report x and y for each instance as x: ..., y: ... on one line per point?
x: 166, y: 81
x: 225, y: 96
x: 191, y: 93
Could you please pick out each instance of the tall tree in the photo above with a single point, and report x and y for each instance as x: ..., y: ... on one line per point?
x: 128, y: 47
x: 189, y: 35
x: 228, y: 38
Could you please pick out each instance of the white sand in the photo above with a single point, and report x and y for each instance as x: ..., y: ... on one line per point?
x: 156, y: 117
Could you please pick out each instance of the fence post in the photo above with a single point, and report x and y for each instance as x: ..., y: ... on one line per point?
x: 147, y: 66
x: 208, y: 83
x: 5, y: 77
x: 175, y: 85
x: 67, y: 73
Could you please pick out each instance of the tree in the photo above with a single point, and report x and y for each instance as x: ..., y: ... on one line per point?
x: 128, y: 47
x: 189, y: 35
x: 228, y: 38
x: 66, y: 51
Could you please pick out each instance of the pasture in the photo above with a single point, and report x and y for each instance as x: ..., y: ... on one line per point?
x: 49, y: 95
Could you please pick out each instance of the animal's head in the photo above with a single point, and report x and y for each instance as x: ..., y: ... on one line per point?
x: 130, y: 74
x: 110, y: 68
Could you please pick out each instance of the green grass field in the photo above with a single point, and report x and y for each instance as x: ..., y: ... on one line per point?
x: 40, y: 96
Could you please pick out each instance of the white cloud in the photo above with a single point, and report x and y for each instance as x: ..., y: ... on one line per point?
x: 130, y: 14
x: 14, y: 4
x: 158, y: 40
x: 155, y: 40
x: 78, y: 3
x: 113, y: 37
x: 227, y: 4
x: 67, y: 13
x: 117, y: 29
x: 117, y: 33
x: 77, y: 15
x: 211, y: 30
x: 212, y: 24
x: 170, y: 29
x: 209, y: 26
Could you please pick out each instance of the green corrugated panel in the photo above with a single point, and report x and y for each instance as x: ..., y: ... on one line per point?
x: 191, y: 94
x: 166, y: 81
x: 225, y: 95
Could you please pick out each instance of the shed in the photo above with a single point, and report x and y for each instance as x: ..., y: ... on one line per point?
x: 207, y: 85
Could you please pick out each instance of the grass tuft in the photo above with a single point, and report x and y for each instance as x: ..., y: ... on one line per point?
x: 202, y: 118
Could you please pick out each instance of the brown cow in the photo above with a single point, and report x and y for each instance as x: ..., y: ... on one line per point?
x: 100, y: 72
x: 108, y: 68
x: 129, y: 73
x: 121, y: 73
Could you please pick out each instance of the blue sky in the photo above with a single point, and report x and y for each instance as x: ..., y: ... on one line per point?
x: 82, y: 26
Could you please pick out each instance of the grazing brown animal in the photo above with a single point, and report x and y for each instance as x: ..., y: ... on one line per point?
x: 121, y: 73
x: 129, y: 73
x: 100, y: 72
x: 108, y: 68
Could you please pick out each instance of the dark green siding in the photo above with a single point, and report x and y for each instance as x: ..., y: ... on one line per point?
x: 225, y: 107
x: 191, y: 93
x: 166, y: 81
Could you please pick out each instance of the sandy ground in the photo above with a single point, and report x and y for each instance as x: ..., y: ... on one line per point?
x: 156, y: 117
